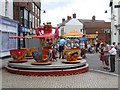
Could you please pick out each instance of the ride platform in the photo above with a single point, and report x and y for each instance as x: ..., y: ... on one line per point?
x: 57, y: 68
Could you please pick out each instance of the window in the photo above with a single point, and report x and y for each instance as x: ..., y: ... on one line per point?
x: 0, y: 40
x: 36, y: 22
x: 12, y: 41
x: 81, y: 30
x: 25, y: 18
x: 25, y: 23
x: 25, y: 14
x: 21, y: 17
x: 33, y: 7
x: 5, y: 41
x: 8, y: 43
x: 33, y: 25
x: 21, y: 14
x: 38, y: 12
x: 106, y: 30
x: 30, y: 24
x: 30, y: 20
x: 62, y: 31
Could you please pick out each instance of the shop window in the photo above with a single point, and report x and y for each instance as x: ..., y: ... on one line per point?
x: 12, y: 41
x: 5, y: 41
x: 0, y: 40
x: 25, y: 23
x: 30, y: 24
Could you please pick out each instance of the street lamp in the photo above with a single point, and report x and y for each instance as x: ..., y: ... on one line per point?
x: 96, y: 35
x: 43, y: 11
x: 96, y: 32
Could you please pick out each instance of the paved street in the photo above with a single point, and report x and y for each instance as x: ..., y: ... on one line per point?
x: 96, y: 64
x: 94, y: 78
x: 85, y: 80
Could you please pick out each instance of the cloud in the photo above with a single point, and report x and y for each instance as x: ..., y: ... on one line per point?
x: 85, y: 9
x: 53, y: 4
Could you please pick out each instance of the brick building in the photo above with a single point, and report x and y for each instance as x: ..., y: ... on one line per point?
x: 29, y: 17
x: 97, y: 29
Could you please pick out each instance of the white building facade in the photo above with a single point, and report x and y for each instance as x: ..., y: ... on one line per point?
x: 72, y: 25
x: 115, y: 20
x: 8, y: 27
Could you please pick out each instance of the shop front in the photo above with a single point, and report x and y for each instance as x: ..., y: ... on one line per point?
x: 92, y: 37
x: 8, y: 27
x: 23, y: 32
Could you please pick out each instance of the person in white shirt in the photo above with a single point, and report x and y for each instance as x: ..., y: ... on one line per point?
x: 113, y: 53
x: 118, y: 51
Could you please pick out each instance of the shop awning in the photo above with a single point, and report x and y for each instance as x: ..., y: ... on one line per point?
x: 73, y: 34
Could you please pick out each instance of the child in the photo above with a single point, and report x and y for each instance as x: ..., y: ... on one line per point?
x: 54, y: 54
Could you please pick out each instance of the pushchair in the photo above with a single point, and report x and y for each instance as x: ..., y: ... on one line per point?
x: 91, y: 50
x: 83, y: 53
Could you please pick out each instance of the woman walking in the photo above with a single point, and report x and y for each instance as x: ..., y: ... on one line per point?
x: 102, y: 55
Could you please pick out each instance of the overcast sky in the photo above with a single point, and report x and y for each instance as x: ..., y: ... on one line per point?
x: 84, y: 9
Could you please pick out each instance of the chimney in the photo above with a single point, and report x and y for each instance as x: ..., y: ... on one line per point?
x: 93, y: 18
x: 74, y: 15
x: 63, y: 20
x: 68, y: 18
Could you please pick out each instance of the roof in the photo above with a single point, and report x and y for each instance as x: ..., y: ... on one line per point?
x: 89, y: 20
x: 97, y: 24
x: 8, y: 19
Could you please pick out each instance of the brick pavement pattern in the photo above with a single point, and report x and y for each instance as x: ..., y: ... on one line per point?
x: 89, y: 79
x: 85, y: 80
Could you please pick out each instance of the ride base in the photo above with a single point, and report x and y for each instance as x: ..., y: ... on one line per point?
x: 57, y: 68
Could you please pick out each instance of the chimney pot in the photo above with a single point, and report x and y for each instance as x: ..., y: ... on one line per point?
x: 93, y: 18
x: 74, y: 15
x: 63, y: 20
x: 68, y: 17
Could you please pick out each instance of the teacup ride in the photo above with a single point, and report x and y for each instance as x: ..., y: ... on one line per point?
x: 72, y: 56
x: 42, y: 57
x: 18, y: 56
x: 41, y: 65
x: 29, y: 52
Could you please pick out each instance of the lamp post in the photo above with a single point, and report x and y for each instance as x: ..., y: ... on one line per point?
x: 96, y: 35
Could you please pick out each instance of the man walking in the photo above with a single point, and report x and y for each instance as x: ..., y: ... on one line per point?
x: 61, y: 47
x: 113, y: 53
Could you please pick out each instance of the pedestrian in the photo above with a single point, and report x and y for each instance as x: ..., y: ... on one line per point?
x: 113, y: 53
x: 118, y: 51
x: 106, y: 55
x: 102, y: 55
x: 97, y: 46
x: 54, y: 53
x: 115, y: 45
x: 61, y: 47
